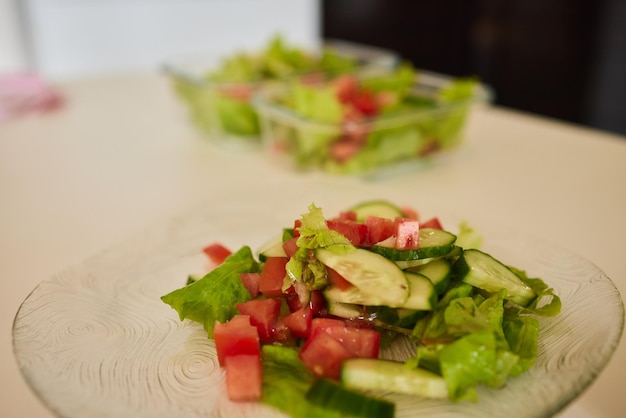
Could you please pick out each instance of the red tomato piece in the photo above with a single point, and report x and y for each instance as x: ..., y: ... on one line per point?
x: 244, y: 377
x: 325, y: 323
x: 348, y: 215
x: 272, y: 277
x: 410, y: 213
x: 235, y: 337
x: 379, y: 229
x: 299, y: 322
x: 366, y: 102
x: 432, y: 223
x: 360, y: 342
x: 290, y: 246
x: 216, y: 252
x: 296, y: 227
x: 251, y: 282
x: 263, y: 315
x: 338, y: 280
x: 282, y: 334
x: 346, y: 87
x: 317, y: 302
x: 344, y: 149
x: 355, y: 232
x: 322, y: 354
x: 407, y: 234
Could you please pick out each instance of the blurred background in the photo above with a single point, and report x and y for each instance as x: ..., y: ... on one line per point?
x: 563, y: 59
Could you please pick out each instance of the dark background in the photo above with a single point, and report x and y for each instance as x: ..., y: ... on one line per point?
x: 564, y: 59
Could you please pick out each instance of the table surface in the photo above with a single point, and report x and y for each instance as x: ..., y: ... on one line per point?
x: 120, y: 155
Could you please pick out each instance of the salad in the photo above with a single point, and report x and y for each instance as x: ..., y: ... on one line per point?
x: 359, y: 123
x: 301, y: 325
x: 219, y: 100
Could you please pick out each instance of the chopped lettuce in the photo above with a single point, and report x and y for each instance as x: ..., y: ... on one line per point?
x: 314, y: 233
x: 215, y: 296
x: 285, y: 383
x: 468, y: 237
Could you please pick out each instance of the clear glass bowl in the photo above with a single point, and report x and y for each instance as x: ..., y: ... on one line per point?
x: 388, y: 142
x: 224, y: 112
x: 97, y: 341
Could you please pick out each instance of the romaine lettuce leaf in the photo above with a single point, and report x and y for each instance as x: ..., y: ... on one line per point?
x: 314, y: 233
x: 286, y: 381
x: 215, y: 296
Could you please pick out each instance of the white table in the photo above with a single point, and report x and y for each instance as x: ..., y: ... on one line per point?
x: 121, y: 156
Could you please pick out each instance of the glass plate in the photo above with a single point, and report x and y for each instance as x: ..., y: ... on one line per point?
x: 96, y: 340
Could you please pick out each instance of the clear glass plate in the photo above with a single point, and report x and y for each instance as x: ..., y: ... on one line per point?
x: 96, y: 340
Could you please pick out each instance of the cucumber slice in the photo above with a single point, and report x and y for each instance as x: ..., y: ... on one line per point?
x: 481, y: 270
x: 387, y: 375
x: 421, y: 295
x: 331, y: 395
x: 378, y: 208
x: 408, y: 317
x: 432, y: 243
x: 372, y: 274
x: 438, y: 271
x: 455, y: 252
x: 343, y: 310
x: 272, y: 248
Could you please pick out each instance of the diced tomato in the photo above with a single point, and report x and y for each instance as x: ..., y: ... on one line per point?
x: 299, y: 322
x: 355, y: 232
x: 323, y: 354
x: 432, y: 223
x: 366, y: 102
x: 317, y: 302
x: 244, y: 377
x: 346, y: 87
x: 360, y: 342
x: 290, y: 247
x: 325, y: 323
x: 241, y: 92
x: 272, y: 277
x: 348, y: 215
x: 344, y: 149
x: 296, y: 227
x: 235, y: 337
x: 379, y: 229
x: 407, y: 234
x: 338, y: 280
x: 216, y: 252
x: 282, y: 334
x: 410, y: 213
x: 263, y: 315
x: 251, y: 282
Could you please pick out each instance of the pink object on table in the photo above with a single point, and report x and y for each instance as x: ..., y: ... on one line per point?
x: 23, y: 93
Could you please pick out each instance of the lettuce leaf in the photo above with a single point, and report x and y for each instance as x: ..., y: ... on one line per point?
x: 314, y: 233
x: 286, y: 381
x: 215, y: 296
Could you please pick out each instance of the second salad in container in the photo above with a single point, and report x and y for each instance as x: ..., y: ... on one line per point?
x: 363, y: 123
x: 218, y: 91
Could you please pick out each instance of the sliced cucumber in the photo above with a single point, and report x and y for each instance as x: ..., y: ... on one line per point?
x: 343, y: 310
x: 454, y: 253
x: 372, y: 274
x: 439, y: 271
x: 421, y: 295
x: 334, y: 396
x: 408, y: 317
x: 272, y: 248
x: 481, y: 270
x: 387, y: 375
x: 378, y: 208
x: 432, y: 243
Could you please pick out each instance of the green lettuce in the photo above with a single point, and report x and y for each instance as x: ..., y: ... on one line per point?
x: 286, y: 380
x: 215, y: 296
x: 314, y: 233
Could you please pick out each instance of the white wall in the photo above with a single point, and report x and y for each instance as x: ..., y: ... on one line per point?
x: 77, y: 37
